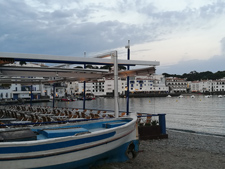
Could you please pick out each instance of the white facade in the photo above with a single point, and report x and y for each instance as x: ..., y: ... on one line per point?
x: 201, y: 86
x: 217, y: 85
x: 16, y: 91
x: 208, y: 86
x: 177, y: 85
x: 155, y: 83
x: 72, y: 87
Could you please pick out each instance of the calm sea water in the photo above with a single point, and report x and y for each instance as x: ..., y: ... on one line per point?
x: 199, y: 114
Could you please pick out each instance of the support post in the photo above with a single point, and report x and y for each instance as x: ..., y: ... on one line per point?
x: 128, y: 78
x: 116, y: 104
x: 31, y: 95
x: 84, y: 96
x: 53, y: 100
x: 162, y: 123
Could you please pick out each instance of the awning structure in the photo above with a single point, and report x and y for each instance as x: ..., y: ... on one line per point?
x: 34, y: 75
x: 20, y: 74
x: 73, y: 60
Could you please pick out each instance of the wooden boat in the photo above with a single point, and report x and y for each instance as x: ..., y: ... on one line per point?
x: 80, y: 145
x: 88, y: 142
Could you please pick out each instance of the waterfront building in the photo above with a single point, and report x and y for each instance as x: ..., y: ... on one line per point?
x: 148, y: 84
x: 15, y: 90
x: 218, y: 85
x: 177, y: 85
x: 202, y: 86
x: 72, y: 87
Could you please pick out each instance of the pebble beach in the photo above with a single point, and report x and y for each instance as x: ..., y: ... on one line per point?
x: 182, y: 150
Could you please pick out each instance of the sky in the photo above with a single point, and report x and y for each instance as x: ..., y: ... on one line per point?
x: 184, y: 35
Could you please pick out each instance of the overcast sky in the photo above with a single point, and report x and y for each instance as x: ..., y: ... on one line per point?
x: 184, y: 35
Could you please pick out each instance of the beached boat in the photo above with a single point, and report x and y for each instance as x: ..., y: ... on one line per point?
x: 79, y: 145
x: 89, y: 142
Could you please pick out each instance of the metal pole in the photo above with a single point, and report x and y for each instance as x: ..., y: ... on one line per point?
x: 128, y: 78
x: 31, y: 95
x: 84, y: 87
x: 116, y: 104
x: 53, y: 100
x: 162, y: 123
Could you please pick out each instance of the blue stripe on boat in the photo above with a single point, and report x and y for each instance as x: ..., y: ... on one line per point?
x: 115, y: 155
x: 51, y: 146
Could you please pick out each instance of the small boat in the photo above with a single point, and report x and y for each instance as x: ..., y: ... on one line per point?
x: 220, y: 96
x: 168, y: 96
x: 65, y: 99
x: 69, y: 145
x: 207, y: 96
x: 192, y: 96
x: 181, y: 96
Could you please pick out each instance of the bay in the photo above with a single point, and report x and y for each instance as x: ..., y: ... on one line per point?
x: 199, y: 114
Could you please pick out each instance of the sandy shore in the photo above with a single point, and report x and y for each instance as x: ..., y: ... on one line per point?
x: 180, y: 151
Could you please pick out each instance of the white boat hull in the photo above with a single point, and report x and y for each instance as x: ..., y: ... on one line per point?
x: 73, y: 151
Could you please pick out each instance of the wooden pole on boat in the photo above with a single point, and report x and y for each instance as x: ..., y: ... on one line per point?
x: 128, y: 78
x: 116, y: 104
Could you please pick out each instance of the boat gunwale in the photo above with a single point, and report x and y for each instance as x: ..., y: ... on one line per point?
x: 66, y: 138
x: 82, y: 147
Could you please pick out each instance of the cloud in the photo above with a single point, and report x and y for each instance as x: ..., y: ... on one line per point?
x: 214, y: 64
x: 70, y: 28
x: 223, y: 45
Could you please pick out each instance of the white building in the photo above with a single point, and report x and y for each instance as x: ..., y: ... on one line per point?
x: 217, y: 85
x: 201, y: 86
x: 151, y: 84
x: 16, y: 90
x: 101, y: 87
x: 208, y: 86
x: 176, y: 85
